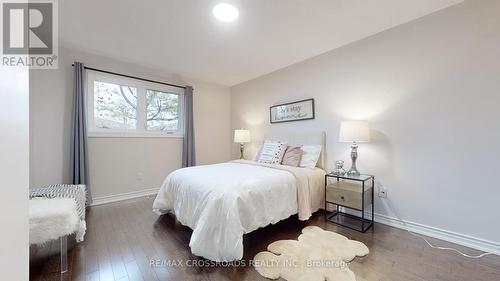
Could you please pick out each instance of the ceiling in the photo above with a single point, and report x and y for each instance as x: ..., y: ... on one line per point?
x: 182, y: 37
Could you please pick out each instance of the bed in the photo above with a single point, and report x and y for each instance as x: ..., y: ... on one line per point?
x: 222, y: 202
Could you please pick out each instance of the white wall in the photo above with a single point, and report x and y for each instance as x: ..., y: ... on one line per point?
x: 14, y: 172
x: 116, y: 164
x: 431, y: 91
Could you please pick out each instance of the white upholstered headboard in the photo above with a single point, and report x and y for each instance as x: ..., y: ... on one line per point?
x: 313, y: 137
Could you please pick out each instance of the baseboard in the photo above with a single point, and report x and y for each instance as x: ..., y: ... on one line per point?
x: 434, y: 232
x: 123, y: 196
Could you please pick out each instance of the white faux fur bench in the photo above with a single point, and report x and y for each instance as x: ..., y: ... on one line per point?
x: 57, y: 211
x: 52, y: 219
x: 76, y: 192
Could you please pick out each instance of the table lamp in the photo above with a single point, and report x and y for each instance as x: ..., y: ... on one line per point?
x: 241, y: 136
x: 354, y: 132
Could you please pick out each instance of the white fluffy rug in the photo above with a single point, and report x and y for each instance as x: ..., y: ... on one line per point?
x: 317, y: 255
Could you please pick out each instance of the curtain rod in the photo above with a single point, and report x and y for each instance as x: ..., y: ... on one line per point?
x: 133, y: 77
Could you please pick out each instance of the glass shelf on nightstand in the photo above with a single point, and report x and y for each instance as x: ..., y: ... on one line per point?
x: 361, y: 177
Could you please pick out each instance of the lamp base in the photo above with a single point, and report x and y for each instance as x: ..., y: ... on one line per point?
x: 241, y: 150
x: 353, y: 171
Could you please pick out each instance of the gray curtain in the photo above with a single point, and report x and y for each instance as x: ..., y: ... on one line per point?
x: 188, y: 155
x: 79, y: 156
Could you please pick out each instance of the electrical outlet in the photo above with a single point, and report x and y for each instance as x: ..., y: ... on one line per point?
x: 382, y: 192
x: 139, y: 176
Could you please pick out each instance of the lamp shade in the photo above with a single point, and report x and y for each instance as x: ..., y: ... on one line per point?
x: 357, y: 131
x: 241, y: 136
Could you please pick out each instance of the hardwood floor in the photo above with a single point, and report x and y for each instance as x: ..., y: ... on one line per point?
x: 123, y: 237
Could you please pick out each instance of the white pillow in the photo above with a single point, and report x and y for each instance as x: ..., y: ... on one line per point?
x: 257, y: 153
x: 272, y: 152
x: 310, y: 156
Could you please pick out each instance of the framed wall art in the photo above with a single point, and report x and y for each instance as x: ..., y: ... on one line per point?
x: 292, y: 111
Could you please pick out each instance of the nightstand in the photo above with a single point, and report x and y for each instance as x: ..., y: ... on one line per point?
x: 354, y: 193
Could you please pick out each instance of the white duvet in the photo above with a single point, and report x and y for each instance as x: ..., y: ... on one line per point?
x: 222, y: 202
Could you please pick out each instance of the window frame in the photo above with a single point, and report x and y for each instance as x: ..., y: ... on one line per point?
x: 142, y: 87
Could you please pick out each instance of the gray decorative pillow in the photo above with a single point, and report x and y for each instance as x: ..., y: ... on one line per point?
x: 292, y: 156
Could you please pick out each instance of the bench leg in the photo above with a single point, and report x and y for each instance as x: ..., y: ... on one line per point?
x: 64, y: 253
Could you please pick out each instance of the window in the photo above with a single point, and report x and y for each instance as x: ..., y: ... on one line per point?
x: 162, y: 111
x: 127, y: 107
x: 115, y: 106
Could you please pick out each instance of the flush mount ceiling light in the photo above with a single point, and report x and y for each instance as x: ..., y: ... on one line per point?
x: 225, y: 12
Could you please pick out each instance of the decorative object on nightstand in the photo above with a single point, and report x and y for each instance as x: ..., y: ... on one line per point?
x: 354, y: 132
x: 351, y: 192
x: 339, y: 168
x: 241, y: 136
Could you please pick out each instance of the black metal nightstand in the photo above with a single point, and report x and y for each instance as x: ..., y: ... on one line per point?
x: 350, y: 192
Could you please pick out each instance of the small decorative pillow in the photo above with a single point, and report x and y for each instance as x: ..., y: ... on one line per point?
x: 310, y: 155
x: 272, y: 152
x: 292, y: 156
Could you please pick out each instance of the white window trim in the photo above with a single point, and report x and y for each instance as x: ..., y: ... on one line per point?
x: 142, y: 87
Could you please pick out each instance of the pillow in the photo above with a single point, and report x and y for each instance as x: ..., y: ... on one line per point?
x: 257, y: 154
x: 272, y: 152
x: 292, y: 156
x: 310, y: 156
